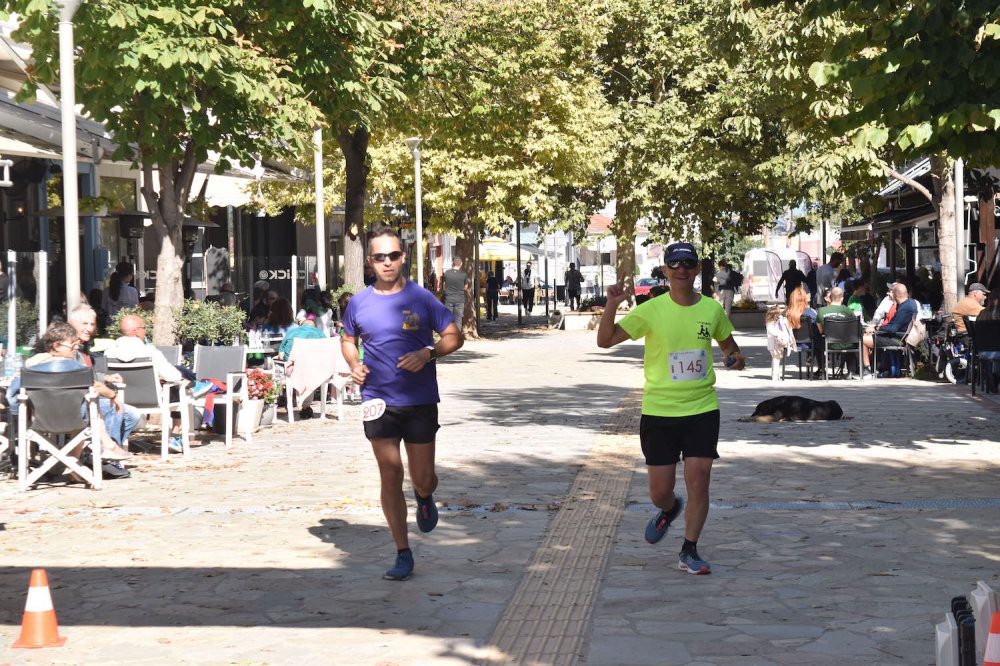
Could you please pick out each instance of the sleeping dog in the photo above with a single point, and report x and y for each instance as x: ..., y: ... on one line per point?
x: 795, y: 408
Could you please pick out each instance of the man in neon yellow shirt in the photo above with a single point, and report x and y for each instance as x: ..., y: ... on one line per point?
x: 680, y: 409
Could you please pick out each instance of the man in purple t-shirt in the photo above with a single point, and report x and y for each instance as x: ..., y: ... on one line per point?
x: 395, y: 320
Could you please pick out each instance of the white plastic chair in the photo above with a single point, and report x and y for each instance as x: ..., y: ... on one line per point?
x: 148, y: 395
x: 328, y: 370
x: 228, y: 364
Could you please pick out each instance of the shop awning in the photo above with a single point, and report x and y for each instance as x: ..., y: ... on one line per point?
x: 496, y: 249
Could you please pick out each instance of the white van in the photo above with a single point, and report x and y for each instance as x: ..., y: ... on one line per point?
x: 762, y: 269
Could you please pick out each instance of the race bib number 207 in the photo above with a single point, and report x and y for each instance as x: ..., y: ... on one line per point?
x: 686, y: 366
x: 372, y: 409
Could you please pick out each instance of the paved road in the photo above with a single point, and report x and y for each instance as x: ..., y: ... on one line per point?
x: 832, y: 543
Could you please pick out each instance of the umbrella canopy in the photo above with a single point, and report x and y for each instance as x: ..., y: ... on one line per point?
x: 496, y: 249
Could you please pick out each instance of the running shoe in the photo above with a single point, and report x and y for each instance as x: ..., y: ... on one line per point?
x: 657, y: 526
x: 693, y: 564
x: 175, y: 444
x: 403, y: 568
x: 427, y: 512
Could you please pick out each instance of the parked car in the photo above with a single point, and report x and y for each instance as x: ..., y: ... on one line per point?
x: 643, y: 287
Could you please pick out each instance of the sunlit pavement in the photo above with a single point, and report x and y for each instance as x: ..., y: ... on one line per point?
x: 272, y: 553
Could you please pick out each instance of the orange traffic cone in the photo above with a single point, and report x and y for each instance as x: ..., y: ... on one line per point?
x: 39, y: 628
x: 992, y: 657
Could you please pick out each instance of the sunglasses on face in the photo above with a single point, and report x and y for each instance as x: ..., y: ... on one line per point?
x: 682, y: 263
x: 67, y: 345
x: 391, y: 256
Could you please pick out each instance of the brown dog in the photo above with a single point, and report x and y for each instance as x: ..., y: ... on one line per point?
x: 795, y: 408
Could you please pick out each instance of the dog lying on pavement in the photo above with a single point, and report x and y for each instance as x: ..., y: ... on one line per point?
x: 796, y: 408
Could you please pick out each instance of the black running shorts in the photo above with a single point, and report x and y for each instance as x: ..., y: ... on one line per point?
x: 666, y: 438
x: 415, y: 425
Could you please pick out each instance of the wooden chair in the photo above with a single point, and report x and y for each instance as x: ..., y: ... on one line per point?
x: 225, y: 364
x: 51, y: 409
x: 845, y: 332
x: 148, y: 395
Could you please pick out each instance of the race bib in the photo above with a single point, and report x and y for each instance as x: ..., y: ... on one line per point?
x: 372, y: 409
x: 686, y: 366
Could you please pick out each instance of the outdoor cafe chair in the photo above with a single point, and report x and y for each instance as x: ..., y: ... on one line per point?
x: 50, y: 411
x: 326, y: 369
x: 883, y: 346
x: 985, y: 337
x: 148, y: 395
x: 224, y: 364
x: 845, y: 333
x: 803, y: 345
x: 170, y: 352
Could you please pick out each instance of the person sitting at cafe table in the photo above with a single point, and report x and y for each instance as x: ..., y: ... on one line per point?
x: 280, y: 319
x: 836, y: 308
x: 970, y: 306
x: 890, y: 333
x: 58, y: 350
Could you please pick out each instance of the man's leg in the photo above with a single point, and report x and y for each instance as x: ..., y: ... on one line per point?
x: 662, y: 479
x: 420, y: 458
x: 390, y: 468
x: 697, y: 477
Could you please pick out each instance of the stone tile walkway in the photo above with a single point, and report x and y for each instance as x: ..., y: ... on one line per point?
x: 272, y: 553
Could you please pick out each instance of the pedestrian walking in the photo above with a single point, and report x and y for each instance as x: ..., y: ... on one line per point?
x: 395, y: 320
x: 528, y: 282
x: 792, y: 279
x: 574, y: 281
x: 727, y: 290
x: 680, y: 408
x: 492, y: 296
x: 457, y: 286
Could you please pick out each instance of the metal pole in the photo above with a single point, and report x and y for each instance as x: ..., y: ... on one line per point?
x: 547, y: 282
x: 295, y: 283
x: 71, y: 204
x: 11, y: 303
x: 420, y: 218
x: 960, y: 244
x: 321, y: 240
x: 42, y: 261
x: 517, y: 277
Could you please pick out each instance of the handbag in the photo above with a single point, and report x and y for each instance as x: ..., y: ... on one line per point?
x: 916, y: 333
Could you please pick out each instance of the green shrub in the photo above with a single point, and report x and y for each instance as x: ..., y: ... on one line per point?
x: 197, y: 321
x: 26, y: 323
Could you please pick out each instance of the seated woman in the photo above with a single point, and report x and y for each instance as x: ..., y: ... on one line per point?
x: 799, y: 314
x: 59, y: 347
x: 280, y: 319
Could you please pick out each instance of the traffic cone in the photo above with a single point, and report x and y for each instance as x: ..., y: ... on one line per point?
x: 992, y: 657
x: 39, y: 628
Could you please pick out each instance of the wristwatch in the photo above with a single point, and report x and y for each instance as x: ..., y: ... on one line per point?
x: 434, y: 353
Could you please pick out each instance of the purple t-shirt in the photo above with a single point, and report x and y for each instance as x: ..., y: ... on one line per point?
x: 390, y: 325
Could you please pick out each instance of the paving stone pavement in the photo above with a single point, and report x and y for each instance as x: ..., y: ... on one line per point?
x: 272, y: 553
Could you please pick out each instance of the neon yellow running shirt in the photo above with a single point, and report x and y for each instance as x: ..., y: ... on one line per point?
x: 677, y: 361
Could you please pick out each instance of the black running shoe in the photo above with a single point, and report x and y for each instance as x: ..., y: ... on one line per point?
x: 427, y: 512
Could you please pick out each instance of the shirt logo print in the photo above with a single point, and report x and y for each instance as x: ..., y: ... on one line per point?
x: 411, y: 321
x: 703, y: 333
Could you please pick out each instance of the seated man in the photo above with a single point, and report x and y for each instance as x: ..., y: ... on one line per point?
x: 132, y: 345
x: 891, y: 334
x: 837, y: 308
x: 119, y: 419
x: 970, y: 306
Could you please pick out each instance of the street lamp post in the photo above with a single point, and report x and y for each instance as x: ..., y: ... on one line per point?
x: 413, y: 144
x: 67, y: 105
x: 321, y: 237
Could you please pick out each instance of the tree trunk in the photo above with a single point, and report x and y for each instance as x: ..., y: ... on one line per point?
x: 354, y: 146
x: 944, y: 203
x: 465, y: 249
x: 167, y: 207
x: 624, y: 230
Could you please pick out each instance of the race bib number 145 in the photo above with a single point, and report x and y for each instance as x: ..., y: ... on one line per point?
x: 686, y: 366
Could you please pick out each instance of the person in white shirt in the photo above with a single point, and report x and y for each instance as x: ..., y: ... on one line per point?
x: 132, y: 345
x: 120, y: 293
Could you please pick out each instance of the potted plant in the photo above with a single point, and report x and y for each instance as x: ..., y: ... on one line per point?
x: 747, y: 315
x: 208, y: 323
x: 263, y: 391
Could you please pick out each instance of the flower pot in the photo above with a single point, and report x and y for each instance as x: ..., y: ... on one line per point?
x: 268, y: 415
x: 248, y: 416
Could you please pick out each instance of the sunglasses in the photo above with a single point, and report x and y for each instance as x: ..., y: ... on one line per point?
x: 683, y: 263
x: 67, y: 345
x: 391, y: 256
